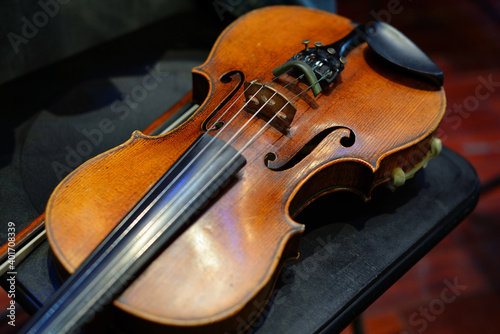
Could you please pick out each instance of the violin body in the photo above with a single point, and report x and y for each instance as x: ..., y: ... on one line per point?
x: 219, y: 272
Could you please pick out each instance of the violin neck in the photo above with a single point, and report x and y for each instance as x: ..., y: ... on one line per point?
x: 153, y: 224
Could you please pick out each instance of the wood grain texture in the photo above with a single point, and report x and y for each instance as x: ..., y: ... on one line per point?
x: 219, y: 272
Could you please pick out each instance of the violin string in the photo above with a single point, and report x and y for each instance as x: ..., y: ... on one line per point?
x: 210, y: 142
x: 162, y: 230
x: 120, y: 237
x: 233, y: 158
x: 242, y: 108
x: 258, y: 111
x: 228, y: 142
x: 227, y: 123
x: 153, y: 202
x: 240, y: 96
x: 277, y: 113
x: 228, y: 163
x: 237, y: 113
x: 204, y: 148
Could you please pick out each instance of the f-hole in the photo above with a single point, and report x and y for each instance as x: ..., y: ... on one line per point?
x: 346, y: 141
x: 226, y: 78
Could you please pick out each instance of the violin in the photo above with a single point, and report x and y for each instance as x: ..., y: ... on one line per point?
x: 187, y: 231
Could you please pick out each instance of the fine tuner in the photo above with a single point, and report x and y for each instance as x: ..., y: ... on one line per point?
x: 325, y: 62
